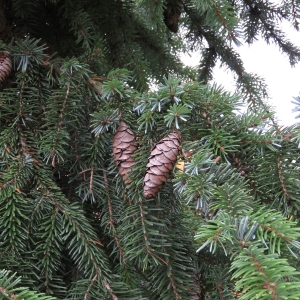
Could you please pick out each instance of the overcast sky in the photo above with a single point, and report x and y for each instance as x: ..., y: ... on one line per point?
x: 267, y: 62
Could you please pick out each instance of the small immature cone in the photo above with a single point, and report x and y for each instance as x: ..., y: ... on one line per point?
x: 160, y: 163
x: 5, y: 65
x: 124, y: 145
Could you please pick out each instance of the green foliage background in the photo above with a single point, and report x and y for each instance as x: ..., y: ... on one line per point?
x: 224, y: 227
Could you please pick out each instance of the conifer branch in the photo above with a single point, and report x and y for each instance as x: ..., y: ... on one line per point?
x: 223, y: 21
x: 112, y: 220
x: 21, y: 98
x: 287, y: 47
x: 10, y: 288
x: 268, y: 284
x: 295, y: 14
x: 276, y: 232
x: 108, y: 288
x: 275, y: 282
x: 149, y: 250
x: 64, y: 104
x: 93, y: 281
x: 89, y: 249
x: 177, y: 296
x: 91, y: 181
x: 281, y: 178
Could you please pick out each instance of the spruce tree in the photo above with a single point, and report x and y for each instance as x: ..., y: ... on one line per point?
x: 125, y: 174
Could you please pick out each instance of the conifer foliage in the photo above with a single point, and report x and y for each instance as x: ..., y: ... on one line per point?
x: 126, y: 175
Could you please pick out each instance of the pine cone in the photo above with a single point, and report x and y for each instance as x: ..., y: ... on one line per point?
x: 161, y: 161
x: 124, y: 145
x: 172, y: 14
x: 5, y: 65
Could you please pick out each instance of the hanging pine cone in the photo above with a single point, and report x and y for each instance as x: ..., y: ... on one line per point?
x: 172, y: 14
x: 160, y: 163
x: 124, y: 145
x: 5, y: 65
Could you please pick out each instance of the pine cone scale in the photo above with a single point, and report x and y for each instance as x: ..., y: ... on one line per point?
x: 123, y: 145
x: 163, y: 159
x: 123, y: 156
x: 154, y: 170
x: 124, y: 137
x: 119, y: 135
x: 171, y: 154
x: 154, y: 162
x: 155, y: 151
x: 127, y: 163
x: 162, y: 147
x: 171, y: 144
x: 163, y: 169
x: 158, y: 178
x: 132, y: 147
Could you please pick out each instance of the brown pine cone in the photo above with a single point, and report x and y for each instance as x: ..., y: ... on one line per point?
x: 5, y: 65
x: 161, y: 161
x: 172, y: 14
x: 124, y: 145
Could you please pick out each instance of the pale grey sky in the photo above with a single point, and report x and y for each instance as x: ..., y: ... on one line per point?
x: 267, y: 62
